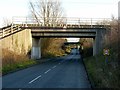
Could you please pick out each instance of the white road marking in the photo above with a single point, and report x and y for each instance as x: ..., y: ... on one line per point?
x: 35, y: 79
x: 47, y: 71
x: 54, y: 66
x: 41, y: 76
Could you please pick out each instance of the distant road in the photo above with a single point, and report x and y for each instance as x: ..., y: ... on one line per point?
x: 63, y: 72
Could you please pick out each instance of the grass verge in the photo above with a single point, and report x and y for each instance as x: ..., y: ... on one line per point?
x: 102, y: 73
x: 17, y: 66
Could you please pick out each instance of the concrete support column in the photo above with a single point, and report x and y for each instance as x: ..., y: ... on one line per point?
x: 36, y: 48
x: 98, y: 42
x: 94, y: 46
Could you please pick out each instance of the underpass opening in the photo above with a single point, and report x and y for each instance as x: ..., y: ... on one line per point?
x: 37, y: 33
x: 96, y: 33
x: 84, y: 45
x: 62, y: 37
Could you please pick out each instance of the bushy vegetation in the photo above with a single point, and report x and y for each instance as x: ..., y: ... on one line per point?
x: 104, y: 71
x: 67, y: 49
x: 87, y: 43
x: 15, y: 66
x: 12, y: 61
x: 52, y: 47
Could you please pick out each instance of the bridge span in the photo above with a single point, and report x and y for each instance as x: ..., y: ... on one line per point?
x: 97, y: 32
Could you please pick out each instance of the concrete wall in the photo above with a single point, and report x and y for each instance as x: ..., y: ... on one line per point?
x: 20, y: 42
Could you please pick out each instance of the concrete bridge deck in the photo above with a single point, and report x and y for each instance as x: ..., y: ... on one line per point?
x: 64, y: 32
x: 96, y: 32
x: 36, y: 30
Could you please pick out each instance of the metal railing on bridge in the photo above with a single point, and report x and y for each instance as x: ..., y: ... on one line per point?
x: 19, y: 22
x: 62, y: 22
x: 5, y: 31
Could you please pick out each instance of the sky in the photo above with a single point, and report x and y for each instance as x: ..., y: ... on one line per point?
x: 91, y: 8
x: 72, y: 8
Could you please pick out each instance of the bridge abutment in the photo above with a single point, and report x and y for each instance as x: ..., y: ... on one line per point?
x: 36, y: 48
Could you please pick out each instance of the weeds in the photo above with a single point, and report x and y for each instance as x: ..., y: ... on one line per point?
x: 13, y: 67
x: 102, y: 74
x: 105, y: 72
x: 12, y: 61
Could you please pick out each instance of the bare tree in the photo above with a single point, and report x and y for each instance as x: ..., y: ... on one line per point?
x: 47, y: 12
x: 6, y: 22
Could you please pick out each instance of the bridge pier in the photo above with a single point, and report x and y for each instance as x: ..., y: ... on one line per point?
x: 36, y: 48
x: 94, y: 46
x: 98, y: 42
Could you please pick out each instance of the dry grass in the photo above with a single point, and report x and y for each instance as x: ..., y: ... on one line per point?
x: 102, y: 74
x: 12, y: 61
x: 52, y: 47
x: 9, y: 57
x: 106, y: 74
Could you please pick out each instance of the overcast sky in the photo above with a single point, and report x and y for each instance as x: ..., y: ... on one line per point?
x: 72, y: 8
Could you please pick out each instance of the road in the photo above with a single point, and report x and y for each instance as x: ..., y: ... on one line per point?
x: 64, y: 72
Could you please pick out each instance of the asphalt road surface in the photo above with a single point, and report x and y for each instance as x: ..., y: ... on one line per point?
x: 63, y: 72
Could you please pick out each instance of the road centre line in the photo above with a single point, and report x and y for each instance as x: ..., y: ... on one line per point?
x: 54, y: 66
x: 47, y: 71
x: 41, y: 76
x: 35, y: 79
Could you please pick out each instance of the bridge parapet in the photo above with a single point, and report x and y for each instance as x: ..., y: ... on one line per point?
x: 5, y: 31
x: 20, y: 23
x: 64, y: 22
